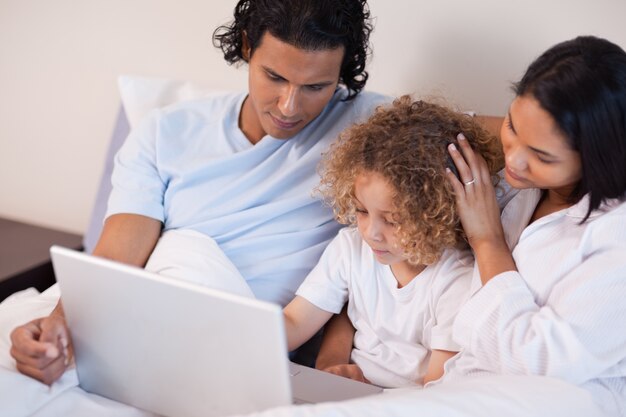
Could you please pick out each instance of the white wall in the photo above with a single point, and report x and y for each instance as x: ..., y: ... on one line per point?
x: 59, y: 61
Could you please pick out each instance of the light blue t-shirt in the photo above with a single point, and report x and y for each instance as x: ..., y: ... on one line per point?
x: 190, y: 167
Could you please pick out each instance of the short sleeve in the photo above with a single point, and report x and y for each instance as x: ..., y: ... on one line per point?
x: 326, y: 286
x: 137, y: 185
x: 456, y: 276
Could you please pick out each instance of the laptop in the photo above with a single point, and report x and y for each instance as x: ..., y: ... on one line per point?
x: 180, y: 349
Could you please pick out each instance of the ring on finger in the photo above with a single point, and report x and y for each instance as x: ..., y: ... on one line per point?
x: 473, y: 180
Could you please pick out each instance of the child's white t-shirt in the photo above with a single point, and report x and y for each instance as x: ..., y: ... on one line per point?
x: 396, y: 328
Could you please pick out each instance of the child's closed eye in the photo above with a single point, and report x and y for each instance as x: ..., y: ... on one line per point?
x: 390, y: 222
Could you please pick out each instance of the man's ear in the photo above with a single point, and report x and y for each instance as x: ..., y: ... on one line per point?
x: 246, y: 50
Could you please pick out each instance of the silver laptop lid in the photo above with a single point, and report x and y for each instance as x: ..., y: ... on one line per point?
x: 168, y: 346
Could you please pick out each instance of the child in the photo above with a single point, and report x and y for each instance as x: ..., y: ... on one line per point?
x: 405, y: 269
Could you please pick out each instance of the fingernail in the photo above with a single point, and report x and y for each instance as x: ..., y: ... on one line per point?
x: 64, y: 342
x: 448, y: 170
x: 460, y: 136
x: 52, y: 352
x: 453, y: 146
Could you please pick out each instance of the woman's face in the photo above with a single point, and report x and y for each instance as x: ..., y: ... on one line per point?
x: 537, y: 154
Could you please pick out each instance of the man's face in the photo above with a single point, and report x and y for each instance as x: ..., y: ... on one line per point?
x: 288, y: 87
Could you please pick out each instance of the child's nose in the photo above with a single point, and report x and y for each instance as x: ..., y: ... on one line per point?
x: 373, y: 231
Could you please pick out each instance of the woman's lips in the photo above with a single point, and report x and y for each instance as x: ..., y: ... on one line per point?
x: 514, y: 176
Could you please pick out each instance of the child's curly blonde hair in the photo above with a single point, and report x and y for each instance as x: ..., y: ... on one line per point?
x: 406, y: 143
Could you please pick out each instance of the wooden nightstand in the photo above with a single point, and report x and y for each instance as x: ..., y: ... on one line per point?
x: 25, y: 255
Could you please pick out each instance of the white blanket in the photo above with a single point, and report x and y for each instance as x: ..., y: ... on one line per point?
x: 496, y: 396
x: 24, y: 396
x: 491, y: 396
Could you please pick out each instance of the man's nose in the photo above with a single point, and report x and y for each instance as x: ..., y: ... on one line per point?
x: 289, y: 101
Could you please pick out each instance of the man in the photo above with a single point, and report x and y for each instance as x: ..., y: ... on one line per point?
x: 238, y: 168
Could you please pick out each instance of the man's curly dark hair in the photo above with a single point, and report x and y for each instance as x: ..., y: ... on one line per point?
x: 307, y: 24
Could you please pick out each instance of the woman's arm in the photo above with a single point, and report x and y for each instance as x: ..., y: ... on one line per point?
x: 573, y: 333
x: 558, y: 316
x: 479, y: 211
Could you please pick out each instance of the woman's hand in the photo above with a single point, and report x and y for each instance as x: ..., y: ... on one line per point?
x: 479, y: 211
x: 475, y: 195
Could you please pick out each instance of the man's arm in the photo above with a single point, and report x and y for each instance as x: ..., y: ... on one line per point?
x: 337, y: 341
x: 334, y: 355
x: 128, y: 238
x: 42, y: 348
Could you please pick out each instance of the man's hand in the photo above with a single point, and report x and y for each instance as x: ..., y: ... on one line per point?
x: 42, y: 349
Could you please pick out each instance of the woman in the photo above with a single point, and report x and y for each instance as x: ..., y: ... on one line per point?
x: 553, y: 266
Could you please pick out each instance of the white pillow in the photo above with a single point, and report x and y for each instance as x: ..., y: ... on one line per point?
x: 140, y: 95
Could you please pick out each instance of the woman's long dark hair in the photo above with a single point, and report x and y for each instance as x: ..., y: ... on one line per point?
x: 582, y: 84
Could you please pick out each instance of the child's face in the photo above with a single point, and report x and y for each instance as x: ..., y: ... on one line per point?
x: 374, y: 217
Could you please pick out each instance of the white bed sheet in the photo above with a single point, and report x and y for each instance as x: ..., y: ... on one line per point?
x: 487, y: 396
x: 22, y: 396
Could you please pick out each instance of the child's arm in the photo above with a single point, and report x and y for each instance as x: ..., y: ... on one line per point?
x: 302, y: 320
x: 435, y: 365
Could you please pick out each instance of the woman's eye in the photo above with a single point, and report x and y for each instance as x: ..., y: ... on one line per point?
x: 509, y: 125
